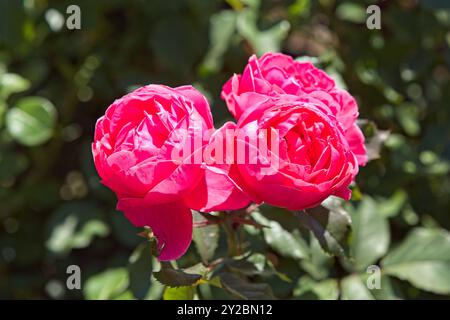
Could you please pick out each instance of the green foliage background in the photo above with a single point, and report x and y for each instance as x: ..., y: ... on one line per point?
x: 55, y: 83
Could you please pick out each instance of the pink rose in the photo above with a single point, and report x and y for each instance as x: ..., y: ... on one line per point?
x: 307, y: 156
x: 134, y: 146
x: 276, y: 73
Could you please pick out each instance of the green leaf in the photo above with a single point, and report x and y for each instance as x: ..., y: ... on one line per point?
x: 265, y: 267
x: 236, y: 4
x: 12, y: 83
x: 356, y: 287
x: 423, y: 259
x: 288, y: 244
x: 255, y: 265
x: 140, y: 270
x: 262, y: 41
x: 126, y: 295
x: 391, y: 206
x: 156, y: 289
x: 222, y: 28
x: 245, y: 267
x: 32, y: 120
x: 106, y: 285
x: 198, y: 269
x: 175, y: 278
x: 242, y: 289
x: 180, y: 293
x: 353, y: 288
x: 351, y: 12
x: 318, y: 263
x: 307, y: 288
x: 300, y: 7
x: 331, y: 225
x: 370, y: 237
x: 206, y: 238
x: 408, y: 117
x: 75, y: 225
x: 90, y: 230
x: 386, y: 291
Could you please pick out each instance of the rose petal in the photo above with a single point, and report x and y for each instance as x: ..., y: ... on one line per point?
x: 171, y: 223
x: 200, y: 102
x: 215, y: 192
x: 218, y: 188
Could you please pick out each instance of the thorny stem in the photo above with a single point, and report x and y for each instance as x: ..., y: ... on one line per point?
x: 233, y: 242
x: 231, y: 223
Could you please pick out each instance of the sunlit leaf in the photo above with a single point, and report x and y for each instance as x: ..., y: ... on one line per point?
x: 391, y: 207
x: 156, y: 290
x: 261, y: 41
x: 423, y: 259
x: 106, y: 285
x: 288, y: 244
x: 318, y: 263
x: 75, y: 225
x: 223, y: 26
x: 370, y: 237
x: 127, y: 295
x: 300, y: 7
x: 351, y: 12
x: 356, y: 287
x: 12, y: 83
x: 353, y: 288
x: 31, y: 121
x: 407, y: 114
x: 180, y: 293
x: 308, y: 288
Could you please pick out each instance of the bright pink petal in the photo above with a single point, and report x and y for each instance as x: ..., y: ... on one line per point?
x: 200, y: 103
x: 218, y: 188
x: 355, y: 140
x: 171, y: 223
x: 216, y: 191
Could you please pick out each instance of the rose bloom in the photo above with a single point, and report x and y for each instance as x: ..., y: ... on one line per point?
x: 275, y: 73
x: 308, y: 157
x: 133, y: 152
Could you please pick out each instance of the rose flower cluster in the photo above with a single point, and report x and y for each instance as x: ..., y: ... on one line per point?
x: 313, y: 148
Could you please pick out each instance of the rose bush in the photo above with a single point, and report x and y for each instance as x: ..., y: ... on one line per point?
x: 55, y: 84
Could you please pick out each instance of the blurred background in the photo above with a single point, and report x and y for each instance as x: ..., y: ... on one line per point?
x: 55, y: 83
